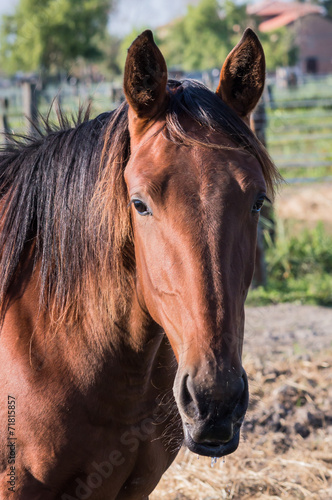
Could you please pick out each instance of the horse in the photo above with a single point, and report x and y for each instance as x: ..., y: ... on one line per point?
x: 127, y: 247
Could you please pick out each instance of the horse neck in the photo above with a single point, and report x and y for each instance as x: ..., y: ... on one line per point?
x: 131, y: 343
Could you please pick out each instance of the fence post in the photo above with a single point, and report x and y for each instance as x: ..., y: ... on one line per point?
x: 4, y: 126
x: 30, y: 105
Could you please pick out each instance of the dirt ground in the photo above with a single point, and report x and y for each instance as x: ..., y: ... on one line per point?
x: 286, y: 447
x: 309, y: 203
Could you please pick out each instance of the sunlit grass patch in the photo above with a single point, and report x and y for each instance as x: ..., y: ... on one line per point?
x: 299, y: 268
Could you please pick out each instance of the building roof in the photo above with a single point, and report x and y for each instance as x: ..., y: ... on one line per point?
x: 276, y: 14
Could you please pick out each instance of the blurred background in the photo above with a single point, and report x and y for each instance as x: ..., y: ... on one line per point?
x: 71, y: 52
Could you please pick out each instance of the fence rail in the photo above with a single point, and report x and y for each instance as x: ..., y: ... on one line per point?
x: 299, y: 130
x: 299, y: 127
x: 25, y: 99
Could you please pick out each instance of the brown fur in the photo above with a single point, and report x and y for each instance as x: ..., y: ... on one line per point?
x: 243, y: 75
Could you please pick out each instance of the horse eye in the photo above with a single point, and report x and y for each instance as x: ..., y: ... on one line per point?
x: 141, y: 208
x: 257, y: 206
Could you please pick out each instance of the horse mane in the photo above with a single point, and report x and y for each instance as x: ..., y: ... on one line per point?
x: 47, y: 186
x: 63, y: 196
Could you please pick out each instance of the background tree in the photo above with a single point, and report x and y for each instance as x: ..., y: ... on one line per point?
x: 49, y: 35
x: 327, y: 4
x: 280, y: 48
x: 203, y: 38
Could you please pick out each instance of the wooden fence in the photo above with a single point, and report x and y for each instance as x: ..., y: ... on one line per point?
x: 298, y: 131
x: 21, y: 105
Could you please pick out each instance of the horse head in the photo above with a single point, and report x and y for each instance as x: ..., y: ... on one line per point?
x: 196, y: 187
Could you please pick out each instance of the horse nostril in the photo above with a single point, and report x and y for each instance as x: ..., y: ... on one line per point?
x: 186, y: 398
x: 245, y: 383
x: 243, y: 399
x: 193, y: 403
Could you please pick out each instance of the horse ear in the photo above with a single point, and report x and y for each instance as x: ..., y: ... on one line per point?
x: 145, y: 76
x: 242, y: 76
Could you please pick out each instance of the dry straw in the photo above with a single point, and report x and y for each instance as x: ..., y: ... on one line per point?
x: 291, y: 397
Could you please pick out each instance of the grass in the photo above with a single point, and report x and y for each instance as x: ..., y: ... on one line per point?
x: 299, y: 268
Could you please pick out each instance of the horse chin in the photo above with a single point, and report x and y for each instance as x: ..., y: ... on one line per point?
x: 208, y: 449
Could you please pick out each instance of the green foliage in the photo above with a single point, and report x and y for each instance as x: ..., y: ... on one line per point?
x: 279, y: 47
x: 299, y: 268
x: 48, y: 34
x: 203, y: 38
x: 327, y: 4
x: 110, y: 64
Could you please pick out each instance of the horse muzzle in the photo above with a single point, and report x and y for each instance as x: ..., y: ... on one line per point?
x: 211, y: 449
x: 212, y: 417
